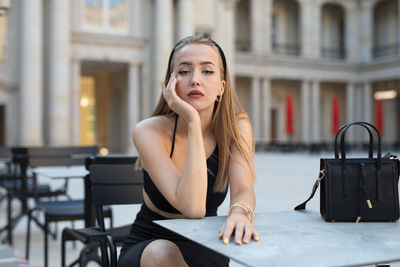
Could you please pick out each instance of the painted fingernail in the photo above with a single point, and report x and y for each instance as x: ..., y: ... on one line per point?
x: 257, y: 238
x: 238, y: 243
x: 220, y: 234
x: 226, y: 241
x: 246, y: 241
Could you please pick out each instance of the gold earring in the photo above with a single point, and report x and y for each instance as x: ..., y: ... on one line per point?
x: 218, y: 98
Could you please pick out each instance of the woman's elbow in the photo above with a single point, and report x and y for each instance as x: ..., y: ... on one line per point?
x: 195, y: 213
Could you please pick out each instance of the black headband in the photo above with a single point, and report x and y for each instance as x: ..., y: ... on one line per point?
x: 221, y: 53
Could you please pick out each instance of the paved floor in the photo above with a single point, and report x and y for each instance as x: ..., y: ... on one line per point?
x: 283, y: 181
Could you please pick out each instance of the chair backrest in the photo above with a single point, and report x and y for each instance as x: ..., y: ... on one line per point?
x: 5, y: 152
x: 53, y: 156
x: 25, y: 157
x: 114, y: 181
x: 60, y: 156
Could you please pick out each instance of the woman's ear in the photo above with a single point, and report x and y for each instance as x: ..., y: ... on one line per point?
x: 222, y: 88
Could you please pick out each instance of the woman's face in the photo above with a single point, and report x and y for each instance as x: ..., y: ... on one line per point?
x: 198, y: 71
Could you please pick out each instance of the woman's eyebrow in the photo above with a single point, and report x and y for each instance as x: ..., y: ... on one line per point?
x: 201, y: 63
x: 206, y: 63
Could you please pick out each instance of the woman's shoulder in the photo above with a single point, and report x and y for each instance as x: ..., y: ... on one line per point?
x: 154, y: 126
x: 243, y: 121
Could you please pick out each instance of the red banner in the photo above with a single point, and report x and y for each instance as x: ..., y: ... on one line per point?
x: 289, y: 115
x: 379, y: 116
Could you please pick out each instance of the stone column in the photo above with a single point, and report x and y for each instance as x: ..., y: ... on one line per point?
x: 310, y: 29
x: 350, y: 102
x: 255, y: 104
x: 267, y: 28
x: 257, y: 29
x: 350, y: 107
x: 59, y: 73
x: 229, y: 35
x: 266, y: 109
x: 316, y: 111
x: 367, y: 102
x: 75, y: 101
x: 163, y: 43
x: 351, y: 24
x: 305, y: 112
x: 30, y: 92
x: 398, y: 27
x: 133, y: 103
x: 185, y: 18
x: 261, y: 13
x: 366, y: 31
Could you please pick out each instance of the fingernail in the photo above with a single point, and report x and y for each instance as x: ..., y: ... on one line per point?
x: 246, y: 241
x: 238, y: 243
x: 161, y: 83
x: 257, y: 238
x: 220, y: 235
x: 226, y: 241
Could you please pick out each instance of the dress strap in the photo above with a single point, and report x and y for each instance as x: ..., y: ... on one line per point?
x: 173, y: 137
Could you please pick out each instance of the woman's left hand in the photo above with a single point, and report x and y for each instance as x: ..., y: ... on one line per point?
x: 239, y: 224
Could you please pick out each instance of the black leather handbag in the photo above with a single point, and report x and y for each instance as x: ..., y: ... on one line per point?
x: 358, y: 189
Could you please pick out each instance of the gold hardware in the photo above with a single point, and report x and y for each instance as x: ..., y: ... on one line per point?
x: 369, y: 203
x: 358, y: 219
x: 321, y: 175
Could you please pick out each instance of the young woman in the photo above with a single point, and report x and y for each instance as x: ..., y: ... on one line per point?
x: 198, y: 141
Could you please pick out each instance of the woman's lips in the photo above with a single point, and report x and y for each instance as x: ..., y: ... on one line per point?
x: 195, y: 94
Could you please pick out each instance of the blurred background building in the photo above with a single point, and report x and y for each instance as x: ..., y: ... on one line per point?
x: 81, y: 72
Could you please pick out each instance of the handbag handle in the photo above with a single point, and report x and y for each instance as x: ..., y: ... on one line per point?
x: 371, y: 141
x: 364, y: 124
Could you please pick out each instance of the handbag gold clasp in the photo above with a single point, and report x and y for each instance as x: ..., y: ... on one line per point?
x: 321, y: 175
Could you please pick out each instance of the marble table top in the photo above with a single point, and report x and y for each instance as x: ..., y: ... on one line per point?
x: 293, y: 238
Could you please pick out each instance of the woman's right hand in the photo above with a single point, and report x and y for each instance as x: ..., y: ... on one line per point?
x: 182, y: 108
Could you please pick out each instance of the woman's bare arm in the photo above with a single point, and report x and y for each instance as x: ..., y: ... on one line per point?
x: 242, y: 191
x: 185, y: 191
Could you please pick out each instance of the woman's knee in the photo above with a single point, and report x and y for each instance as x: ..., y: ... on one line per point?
x: 162, y: 253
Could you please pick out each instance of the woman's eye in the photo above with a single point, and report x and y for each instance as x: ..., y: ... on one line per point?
x: 208, y: 71
x: 183, y: 72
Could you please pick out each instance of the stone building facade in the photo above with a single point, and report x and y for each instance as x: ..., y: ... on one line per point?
x: 78, y: 72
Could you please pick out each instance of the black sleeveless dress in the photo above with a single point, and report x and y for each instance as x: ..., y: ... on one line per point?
x: 144, y: 231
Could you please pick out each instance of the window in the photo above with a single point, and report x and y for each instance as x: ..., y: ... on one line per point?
x: 105, y: 15
x: 3, y: 33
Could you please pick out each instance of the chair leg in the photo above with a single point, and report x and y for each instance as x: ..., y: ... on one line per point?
x: 104, y: 254
x: 46, y: 240
x: 55, y: 231
x: 63, y: 249
x: 9, y: 220
x: 113, y: 251
x: 73, y: 241
x: 28, y: 235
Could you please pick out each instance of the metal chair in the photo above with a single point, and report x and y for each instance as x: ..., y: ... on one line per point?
x: 55, y: 211
x: 113, y: 181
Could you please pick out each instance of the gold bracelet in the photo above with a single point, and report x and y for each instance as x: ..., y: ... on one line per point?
x: 244, y: 206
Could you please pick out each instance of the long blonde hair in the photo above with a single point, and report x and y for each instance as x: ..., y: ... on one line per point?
x: 227, y: 113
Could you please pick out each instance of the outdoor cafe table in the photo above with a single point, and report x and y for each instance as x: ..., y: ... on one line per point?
x: 66, y: 172
x: 293, y: 238
x: 61, y: 172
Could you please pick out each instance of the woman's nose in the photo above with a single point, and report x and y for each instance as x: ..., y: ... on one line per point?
x: 195, y: 79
